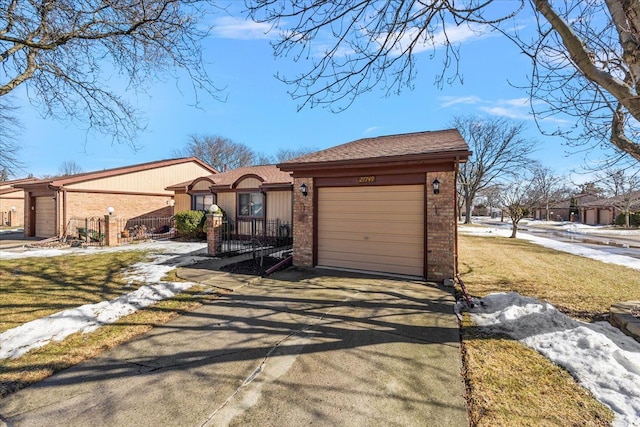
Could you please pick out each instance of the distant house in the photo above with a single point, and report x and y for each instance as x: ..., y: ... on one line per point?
x: 252, y: 193
x: 603, y: 211
x: 12, y: 202
x: 564, y: 210
x: 132, y: 191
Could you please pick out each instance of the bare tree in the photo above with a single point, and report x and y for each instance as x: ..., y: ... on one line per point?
x: 63, y: 52
x: 9, y: 147
x: 219, y: 152
x: 499, y: 151
x: 547, y: 187
x: 286, y: 154
x: 69, y: 167
x: 624, y: 187
x: 584, y: 54
x: 517, y: 201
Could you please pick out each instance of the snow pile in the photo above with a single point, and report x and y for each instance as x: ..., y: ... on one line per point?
x: 87, y: 318
x: 599, y: 356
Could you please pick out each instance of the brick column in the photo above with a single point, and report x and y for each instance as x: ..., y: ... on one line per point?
x: 214, y: 234
x: 110, y: 231
x: 441, y: 227
x: 303, y: 223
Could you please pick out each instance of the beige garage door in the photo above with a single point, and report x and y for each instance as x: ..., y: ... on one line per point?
x: 45, y: 217
x: 377, y: 229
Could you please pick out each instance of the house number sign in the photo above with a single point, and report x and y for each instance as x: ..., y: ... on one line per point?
x: 366, y: 179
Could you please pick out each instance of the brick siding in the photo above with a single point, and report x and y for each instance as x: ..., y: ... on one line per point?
x: 303, y: 223
x: 441, y: 227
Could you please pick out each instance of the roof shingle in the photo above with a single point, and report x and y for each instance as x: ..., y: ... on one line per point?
x: 409, y: 144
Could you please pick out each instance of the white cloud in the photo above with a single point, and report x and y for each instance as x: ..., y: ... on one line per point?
x: 229, y: 27
x: 506, y: 111
x: 448, y: 101
x: 371, y: 130
x: 453, y: 35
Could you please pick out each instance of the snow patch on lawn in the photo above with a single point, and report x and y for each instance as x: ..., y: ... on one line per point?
x: 603, y: 359
x: 87, y: 318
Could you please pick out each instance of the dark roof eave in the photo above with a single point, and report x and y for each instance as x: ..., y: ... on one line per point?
x: 460, y: 156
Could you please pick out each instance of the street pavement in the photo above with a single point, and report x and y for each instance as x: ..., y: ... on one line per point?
x: 303, y: 347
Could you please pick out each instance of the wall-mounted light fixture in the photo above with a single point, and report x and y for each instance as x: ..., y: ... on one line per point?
x: 171, y: 202
x: 436, y: 186
x: 13, y: 208
x: 110, y: 209
x: 303, y: 189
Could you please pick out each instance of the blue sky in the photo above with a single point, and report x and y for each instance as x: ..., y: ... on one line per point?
x: 259, y: 112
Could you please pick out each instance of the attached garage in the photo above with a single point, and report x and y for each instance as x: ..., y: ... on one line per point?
x: 355, y: 233
x: 380, y: 205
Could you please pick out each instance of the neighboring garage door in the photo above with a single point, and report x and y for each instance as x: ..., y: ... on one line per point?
x: 376, y: 228
x: 45, y: 217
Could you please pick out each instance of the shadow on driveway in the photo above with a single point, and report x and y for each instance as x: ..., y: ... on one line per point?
x: 300, y: 347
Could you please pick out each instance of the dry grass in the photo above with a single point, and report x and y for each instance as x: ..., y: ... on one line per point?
x: 72, y: 281
x: 32, y: 288
x: 579, y: 286
x: 510, y: 384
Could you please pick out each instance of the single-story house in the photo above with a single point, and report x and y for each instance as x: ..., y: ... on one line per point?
x: 12, y: 202
x: 385, y: 204
x: 564, y: 210
x: 603, y: 211
x: 131, y: 191
x: 253, y: 193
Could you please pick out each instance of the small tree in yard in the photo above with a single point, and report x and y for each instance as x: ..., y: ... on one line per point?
x: 517, y: 201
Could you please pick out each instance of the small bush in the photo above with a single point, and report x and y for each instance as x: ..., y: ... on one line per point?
x: 634, y: 219
x: 190, y: 223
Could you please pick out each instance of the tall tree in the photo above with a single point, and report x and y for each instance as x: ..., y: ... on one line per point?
x: 9, y: 147
x: 69, y: 167
x: 219, y: 152
x: 65, y: 51
x: 499, y: 150
x: 584, y: 53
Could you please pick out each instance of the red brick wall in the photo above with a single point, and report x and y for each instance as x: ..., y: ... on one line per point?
x: 303, y: 223
x: 86, y: 205
x: 441, y: 227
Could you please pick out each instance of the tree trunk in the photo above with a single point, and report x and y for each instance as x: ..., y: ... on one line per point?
x: 547, y: 212
x: 468, y: 202
x: 514, y: 230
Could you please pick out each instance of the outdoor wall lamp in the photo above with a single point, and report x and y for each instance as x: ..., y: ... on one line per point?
x: 110, y: 209
x: 436, y: 186
x: 303, y: 189
x: 13, y: 208
x: 171, y: 202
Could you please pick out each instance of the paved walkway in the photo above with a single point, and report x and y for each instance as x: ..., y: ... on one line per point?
x: 299, y: 348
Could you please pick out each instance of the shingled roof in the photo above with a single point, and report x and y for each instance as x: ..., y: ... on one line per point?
x: 434, y: 144
x: 269, y: 175
x: 88, y: 176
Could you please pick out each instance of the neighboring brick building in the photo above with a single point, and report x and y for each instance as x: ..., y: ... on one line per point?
x: 12, y: 202
x: 132, y: 191
x: 372, y: 205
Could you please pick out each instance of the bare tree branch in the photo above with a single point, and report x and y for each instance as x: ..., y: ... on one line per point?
x: 65, y: 53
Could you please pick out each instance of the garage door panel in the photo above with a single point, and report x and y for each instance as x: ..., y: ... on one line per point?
x: 369, y: 227
x: 381, y: 265
x: 359, y: 251
x: 377, y: 229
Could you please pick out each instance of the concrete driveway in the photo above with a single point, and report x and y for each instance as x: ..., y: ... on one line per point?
x: 300, y: 348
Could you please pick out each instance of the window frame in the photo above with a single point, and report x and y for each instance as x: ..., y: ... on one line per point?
x: 251, y: 215
x: 204, y: 196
